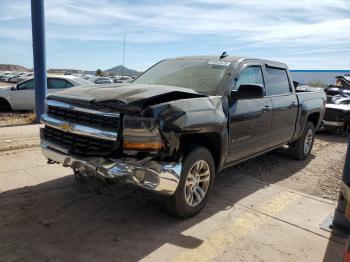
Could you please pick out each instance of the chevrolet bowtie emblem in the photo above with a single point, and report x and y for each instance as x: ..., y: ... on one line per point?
x: 66, y: 127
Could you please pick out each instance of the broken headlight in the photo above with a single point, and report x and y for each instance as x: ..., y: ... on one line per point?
x: 141, y: 134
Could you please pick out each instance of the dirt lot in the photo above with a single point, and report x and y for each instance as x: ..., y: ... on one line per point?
x: 319, y: 175
x: 16, y: 118
x: 5, y: 84
x: 46, y: 215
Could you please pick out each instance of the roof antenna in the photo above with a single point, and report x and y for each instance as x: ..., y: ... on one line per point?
x: 223, y: 55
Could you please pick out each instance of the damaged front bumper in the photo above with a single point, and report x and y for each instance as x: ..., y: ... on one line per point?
x: 158, y: 176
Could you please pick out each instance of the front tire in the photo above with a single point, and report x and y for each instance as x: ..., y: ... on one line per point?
x: 301, y: 148
x: 196, y: 180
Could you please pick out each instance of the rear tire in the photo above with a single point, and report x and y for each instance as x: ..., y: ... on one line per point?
x: 5, y: 105
x: 196, y: 180
x: 301, y: 148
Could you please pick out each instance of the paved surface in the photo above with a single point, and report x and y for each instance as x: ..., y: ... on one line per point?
x: 16, y: 137
x: 46, y: 215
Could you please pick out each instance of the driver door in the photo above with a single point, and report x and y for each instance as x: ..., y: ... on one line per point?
x: 23, y: 97
x: 249, y: 119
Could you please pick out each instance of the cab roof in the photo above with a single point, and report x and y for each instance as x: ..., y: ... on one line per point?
x: 233, y: 59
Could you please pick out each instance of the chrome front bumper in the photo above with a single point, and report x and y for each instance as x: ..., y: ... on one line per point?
x: 161, y: 177
x: 333, y: 123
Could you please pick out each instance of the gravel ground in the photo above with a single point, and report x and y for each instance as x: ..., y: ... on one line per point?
x: 16, y: 118
x: 319, y: 175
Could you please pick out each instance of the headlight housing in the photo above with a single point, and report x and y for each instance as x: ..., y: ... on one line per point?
x: 141, y: 134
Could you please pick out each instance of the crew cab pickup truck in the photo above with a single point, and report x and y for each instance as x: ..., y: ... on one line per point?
x: 180, y: 123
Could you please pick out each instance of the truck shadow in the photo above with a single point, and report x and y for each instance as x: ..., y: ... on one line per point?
x: 63, y: 220
x: 335, y: 247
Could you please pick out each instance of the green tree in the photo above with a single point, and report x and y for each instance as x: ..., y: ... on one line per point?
x: 99, y: 72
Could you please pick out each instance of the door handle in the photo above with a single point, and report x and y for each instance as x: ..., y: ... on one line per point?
x: 293, y: 104
x: 266, y: 108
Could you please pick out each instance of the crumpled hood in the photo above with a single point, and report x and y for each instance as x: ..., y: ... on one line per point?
x: 136, y: 96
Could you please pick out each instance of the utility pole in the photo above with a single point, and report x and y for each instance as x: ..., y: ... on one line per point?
x: 38, y: 36
x: 123, y: 54
x: 342, y: 212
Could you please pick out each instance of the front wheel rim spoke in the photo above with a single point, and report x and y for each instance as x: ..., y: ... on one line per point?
x: 197, y: 195
x: 189, y: 196
x: 204, y: 178
x: 200, y: 192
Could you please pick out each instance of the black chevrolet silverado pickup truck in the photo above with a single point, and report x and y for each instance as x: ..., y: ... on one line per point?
x: 179, y: 123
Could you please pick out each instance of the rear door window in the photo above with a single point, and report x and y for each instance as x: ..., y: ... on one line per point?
x: 277, y: 81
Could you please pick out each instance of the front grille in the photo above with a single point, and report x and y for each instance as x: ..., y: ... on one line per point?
x: 78, y: 144
x: 110, y: 123
x: 333, y: 115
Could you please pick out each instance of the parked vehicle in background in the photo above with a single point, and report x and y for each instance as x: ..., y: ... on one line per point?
x: 87, y: 76
x: 21, y: 96
x: 15, y: 78
x: 342, y: 101
x: 25, y: 76
x: 337, y: 116
x: 102, y: 80
x: 6, y: 77
x: 122, y: 79
x: 179, y: 123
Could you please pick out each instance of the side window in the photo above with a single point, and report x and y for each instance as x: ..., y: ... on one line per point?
x: 56, y: 83
x: 277, y: 81
x: 68, y: 84
x: 250, y: 75
x: 27, y: 85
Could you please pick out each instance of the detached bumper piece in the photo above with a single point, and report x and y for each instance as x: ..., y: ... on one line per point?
x: 158, y: 176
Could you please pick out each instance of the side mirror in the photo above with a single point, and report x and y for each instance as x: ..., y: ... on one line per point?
x: 14, y: 88
x: 248, y: 91
x: 296, y: 84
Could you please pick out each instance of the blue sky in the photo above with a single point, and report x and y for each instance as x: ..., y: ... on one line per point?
x: 88, y: 34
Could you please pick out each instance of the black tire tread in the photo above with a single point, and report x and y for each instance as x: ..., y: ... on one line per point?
x: 170, y: 203
x: 5, y: 105
x: 296, y: 149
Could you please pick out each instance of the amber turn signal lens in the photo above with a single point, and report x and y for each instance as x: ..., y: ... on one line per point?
x: 142, y: 146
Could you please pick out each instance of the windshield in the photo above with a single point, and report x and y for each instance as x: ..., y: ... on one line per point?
x: 203, y: 76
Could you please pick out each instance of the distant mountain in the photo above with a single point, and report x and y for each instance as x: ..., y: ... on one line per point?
x: 119, y: 70
x: 8, y: 67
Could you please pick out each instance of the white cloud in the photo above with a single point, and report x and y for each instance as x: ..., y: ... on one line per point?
x: 287, y: 25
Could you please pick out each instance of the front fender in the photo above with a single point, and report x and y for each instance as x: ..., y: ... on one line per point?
x: 190, y: 116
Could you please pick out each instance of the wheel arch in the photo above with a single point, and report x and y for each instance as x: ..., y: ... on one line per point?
x: 211, y: 141
x: 5, y: 104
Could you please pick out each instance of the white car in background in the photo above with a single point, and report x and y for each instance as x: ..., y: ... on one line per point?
x: 102, y: 80
x: 24, y: 77
x: 22, y: 95
x: 6, y: 77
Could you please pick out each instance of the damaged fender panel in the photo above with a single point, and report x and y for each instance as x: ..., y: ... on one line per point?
x: 197, y: 115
